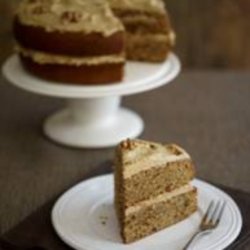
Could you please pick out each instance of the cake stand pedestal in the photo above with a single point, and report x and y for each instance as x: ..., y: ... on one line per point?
x: 93, y: 117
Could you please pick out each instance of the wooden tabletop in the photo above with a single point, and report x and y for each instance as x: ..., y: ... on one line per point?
x: 205, y: 112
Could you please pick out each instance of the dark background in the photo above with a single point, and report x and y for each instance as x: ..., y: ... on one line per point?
x: 210, y: 33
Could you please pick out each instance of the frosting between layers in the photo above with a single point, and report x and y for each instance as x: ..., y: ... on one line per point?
x: 46, y: 58
x: 160, y: 198
x: 159, y: 37
x: 139, y: 19
x: 172, y: 38
x: 155, y: 6
x: 70, y: 15
x: 142, y: 158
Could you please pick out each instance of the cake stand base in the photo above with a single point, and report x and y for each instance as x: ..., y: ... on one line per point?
x: 93, y: 123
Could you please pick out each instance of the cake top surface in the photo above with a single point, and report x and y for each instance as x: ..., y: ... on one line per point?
x: 155, y: 6
x: 137, y: 155
x: 70, y: 15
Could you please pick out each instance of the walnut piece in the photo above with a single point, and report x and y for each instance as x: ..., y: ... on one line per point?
x: 71, y: 16
x: 38, y: 10
x: 127, y: 144
x: 174, y: 150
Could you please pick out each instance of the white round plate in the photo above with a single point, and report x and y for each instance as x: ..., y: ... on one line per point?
x: 138, y: 77
x: 85, y: 219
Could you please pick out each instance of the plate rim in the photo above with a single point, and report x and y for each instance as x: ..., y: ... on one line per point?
x: 223, y: 244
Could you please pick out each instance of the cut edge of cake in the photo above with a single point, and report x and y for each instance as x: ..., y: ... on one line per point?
x: 150, y: 36
x: 133, y: 199
x: 149, y: 217
x: 164, y: 167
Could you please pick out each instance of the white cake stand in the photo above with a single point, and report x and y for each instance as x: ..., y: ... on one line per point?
x: 93, y: 117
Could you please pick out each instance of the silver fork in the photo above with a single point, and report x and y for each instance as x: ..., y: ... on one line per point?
x: 209, y: 222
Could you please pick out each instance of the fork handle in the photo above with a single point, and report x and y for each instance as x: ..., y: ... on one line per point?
x: 194, y: 238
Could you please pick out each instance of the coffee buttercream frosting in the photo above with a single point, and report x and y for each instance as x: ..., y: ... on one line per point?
x: 70, y: 15
x: 156, y: 6
x: 46, y: 58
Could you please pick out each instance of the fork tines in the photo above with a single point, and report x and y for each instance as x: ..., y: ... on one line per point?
x: 213, y: 214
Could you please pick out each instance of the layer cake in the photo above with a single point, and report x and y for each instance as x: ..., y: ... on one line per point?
x: 88, y: 41
x: 70, y: 40
x: 152, y: 187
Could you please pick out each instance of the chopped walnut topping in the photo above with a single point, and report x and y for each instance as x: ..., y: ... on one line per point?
x: 152, y: 146
x: 71, y: 16
x: 174, y: 150
x: 127, y: 144
x: 38, y: 10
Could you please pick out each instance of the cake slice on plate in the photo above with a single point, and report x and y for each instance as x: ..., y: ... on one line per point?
x: 152, y: 187
x: 149, y: 35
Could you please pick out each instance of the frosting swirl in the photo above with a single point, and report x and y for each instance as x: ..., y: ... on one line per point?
x: 70, y: 15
